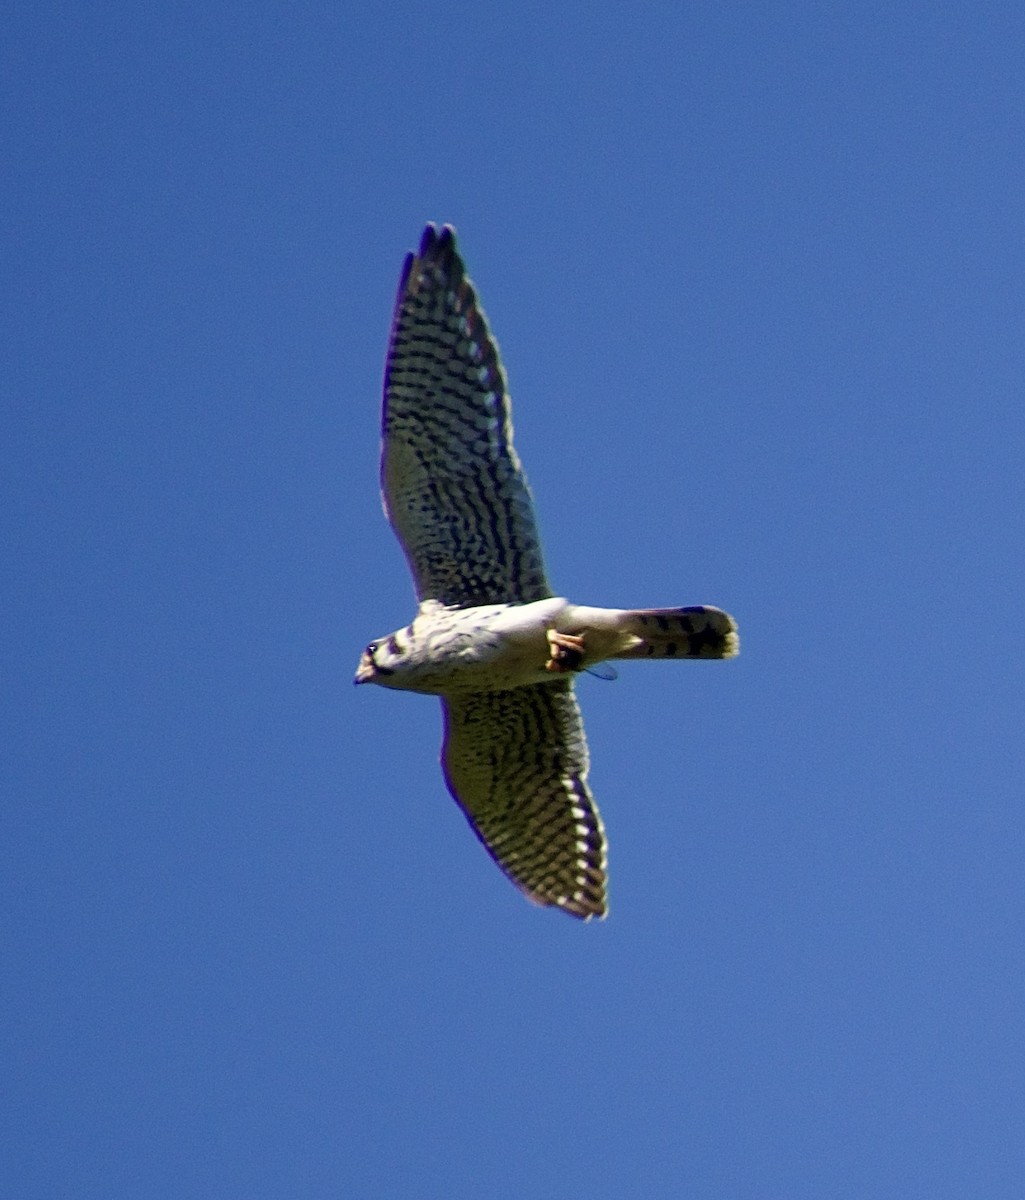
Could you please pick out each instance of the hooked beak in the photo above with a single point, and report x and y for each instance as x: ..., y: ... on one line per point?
x: 366, y: 671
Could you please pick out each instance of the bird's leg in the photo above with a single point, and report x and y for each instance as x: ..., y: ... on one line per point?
x: 566, y: 651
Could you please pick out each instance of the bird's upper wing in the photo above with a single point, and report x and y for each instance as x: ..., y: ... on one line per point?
x: 517, y: 763
x: 453, y: 486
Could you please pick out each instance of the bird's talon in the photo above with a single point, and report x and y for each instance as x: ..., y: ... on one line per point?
x: 567, y: 652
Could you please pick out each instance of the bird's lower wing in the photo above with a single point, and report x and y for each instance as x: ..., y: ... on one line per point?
x: 516, y: 761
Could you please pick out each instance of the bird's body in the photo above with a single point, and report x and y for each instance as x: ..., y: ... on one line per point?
x: 487, y: 648
x: 489, y: 637
x: 495, y: 647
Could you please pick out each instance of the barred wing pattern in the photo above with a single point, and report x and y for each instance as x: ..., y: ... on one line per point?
x: 453, y: 486
x: 517, y: 763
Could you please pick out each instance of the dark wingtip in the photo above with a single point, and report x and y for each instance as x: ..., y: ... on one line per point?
x: 438, y: 245
x: 437, y: 242
x: 429, y: 237
x: 407, y: 267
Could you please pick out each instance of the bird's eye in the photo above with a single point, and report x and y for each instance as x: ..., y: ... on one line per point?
x: 371, y: 650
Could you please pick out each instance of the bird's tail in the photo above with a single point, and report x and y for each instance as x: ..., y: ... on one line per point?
x: 698, y: 631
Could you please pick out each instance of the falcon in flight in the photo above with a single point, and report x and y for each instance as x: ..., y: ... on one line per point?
x: 489, y: 637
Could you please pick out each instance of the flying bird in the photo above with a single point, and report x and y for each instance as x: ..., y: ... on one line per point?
x: 489, y: 637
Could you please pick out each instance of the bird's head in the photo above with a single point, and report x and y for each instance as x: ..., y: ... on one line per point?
x: 380, y: 662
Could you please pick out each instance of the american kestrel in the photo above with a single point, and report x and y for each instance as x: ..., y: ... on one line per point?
x: 489, y: 637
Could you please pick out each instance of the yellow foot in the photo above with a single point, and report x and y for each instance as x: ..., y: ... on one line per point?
x: 567, y: 652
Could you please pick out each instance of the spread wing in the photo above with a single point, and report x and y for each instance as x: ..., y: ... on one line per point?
x: 453, y: 486
x: 516, y: 761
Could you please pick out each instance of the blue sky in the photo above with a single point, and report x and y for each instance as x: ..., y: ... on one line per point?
x: 756, y: 272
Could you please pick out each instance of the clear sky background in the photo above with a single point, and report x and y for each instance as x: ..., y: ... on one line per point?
x: 757, y: 274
